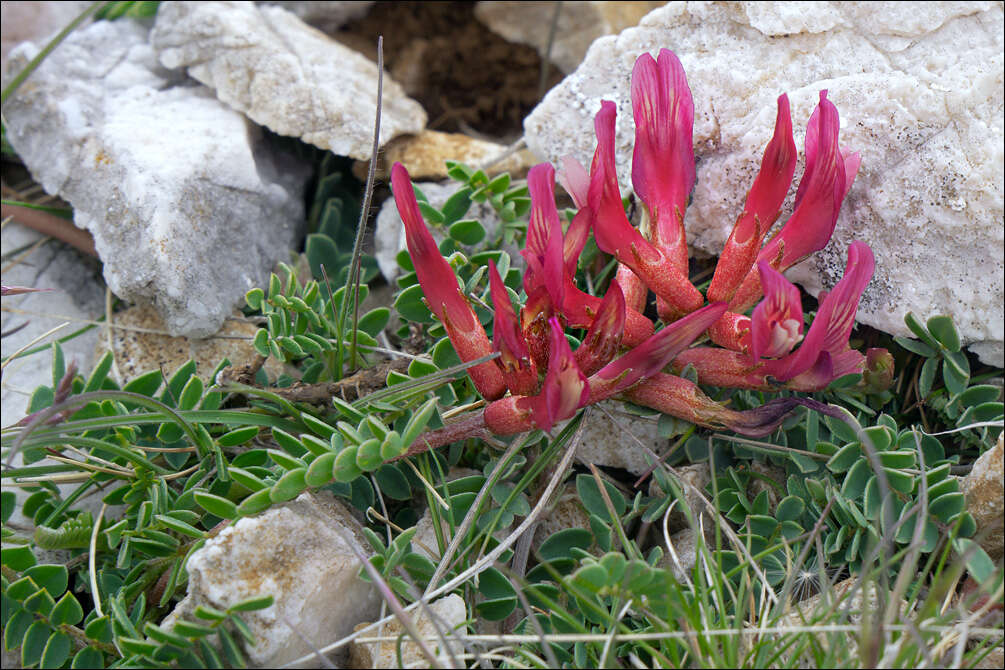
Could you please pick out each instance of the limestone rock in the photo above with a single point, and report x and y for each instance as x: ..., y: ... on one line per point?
x: 567, y: 512
x: 685, y: 547
x: 389, y: 233
x: 78, y: 294
x: 325, y: 15
x: 34, y: 22
x: 298, y: 552
x: 926, y: 116
x: 621, y: 442
x: 984, y: 488
x: 449, y: 614
x: 579, y: 24
x: 140, y: 345
x: 285, y: 75
x: 425, y: 155
x: 188, y: 203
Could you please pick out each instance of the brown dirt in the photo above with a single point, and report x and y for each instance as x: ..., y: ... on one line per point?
x: 465, y: 76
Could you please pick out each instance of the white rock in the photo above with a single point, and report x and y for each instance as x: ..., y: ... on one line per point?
x: 925, y: 114
x: 298, y: 552
x: 685, y: 549
x: 78, y: 294
x: 33, y: 22
x: 270, y: 65
x: 984, y: 488
x: 693, y: 479
x: 188, y: 204
x: 325, y: 15
x: 449, y: 614
x: 618, y: 439
x: 579, y: 24
x: 389, y: 232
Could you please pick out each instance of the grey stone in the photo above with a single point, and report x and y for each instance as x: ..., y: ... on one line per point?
x: 189, y: 205
x: 325, y: 15
x: 926, y: 115
x: 984, y: 488
x: 615, y: 438
x: 449, y: 614
x: 579, y: 24
x: 285, y: 75
x: 298, y: 552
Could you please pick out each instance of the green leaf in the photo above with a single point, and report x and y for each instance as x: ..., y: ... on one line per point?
x: 57, y: 650
x: 790, y: 508
x: 217, y: 505
x: 927, y: 376
x: 920, y: 331
x: 88, y: 657
x: 916, y: 347
x: 52, y: 578
x: 17, y: 559
x: 980, y: 565
x: 901, y: 482
x: 457, y: 205
x: 374, y: 321
x: 560, y: 545
x: 191, y: 394
x: 261, y: 342
x: 469, y: 232
x: 100, y: 373
x: 259, y: 501
x: 321, y: 470
x: 100, y: 629
x: 230, y: 649
x: 252, y: 604
x: 368, y: 455
x: 146, y: 384
x: 289, y: 486
x: 947, y: 506
x: 410, y: 306
x: 67, y: 610
x: 237, y: 436
x: 179, y: 526
x: 33, y: 644
x: 346, y: 468
x: 591, y: 577
x: 17, y: 625
x: 943, y: 330
x: 955, y: 371
x: 846, y: 457
x: 496, y: 610
x: 593, y: 501
x: 393, y: 483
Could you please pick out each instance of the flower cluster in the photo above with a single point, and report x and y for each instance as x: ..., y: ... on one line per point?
x: 537, y: 380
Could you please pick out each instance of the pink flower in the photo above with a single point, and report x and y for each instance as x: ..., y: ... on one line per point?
x: 519, y: 370
x: 764, y: 202
x: 824, y: 184
x: 663, y: 161
x: 776, y: 326
x: 575, y: 179
x: 443, y: 295
x: 616, y: 236
x: 822, y: 357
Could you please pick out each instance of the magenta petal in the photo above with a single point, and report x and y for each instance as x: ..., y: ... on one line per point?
x: 575, y: 179
x: 515, y: 359
x: 654, y: 354
x: 663, y: 160
x: 776, y: 325
x: 565, y: 387
x: 544, y: 248
x: 603, y: 340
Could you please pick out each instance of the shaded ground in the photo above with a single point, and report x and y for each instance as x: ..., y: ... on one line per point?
x: 465, y: 76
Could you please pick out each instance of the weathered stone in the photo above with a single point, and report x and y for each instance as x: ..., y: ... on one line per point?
x: 141, y: 344
x: 579, y: 24
x: 984, y: 488
x: 567, y: 512
x: 285, y: 75
x: 301, y: 554
x: 78, y: 294
x: 188, y: 203
x: 685, y: 548
x: 34, y: 22
x: 425, y: 155
x: 618, y: 439
x: 693, y: 479
x: 449, y: 614
x: 325, y: 15
x: 389, y: 233
x: 925, y: 115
